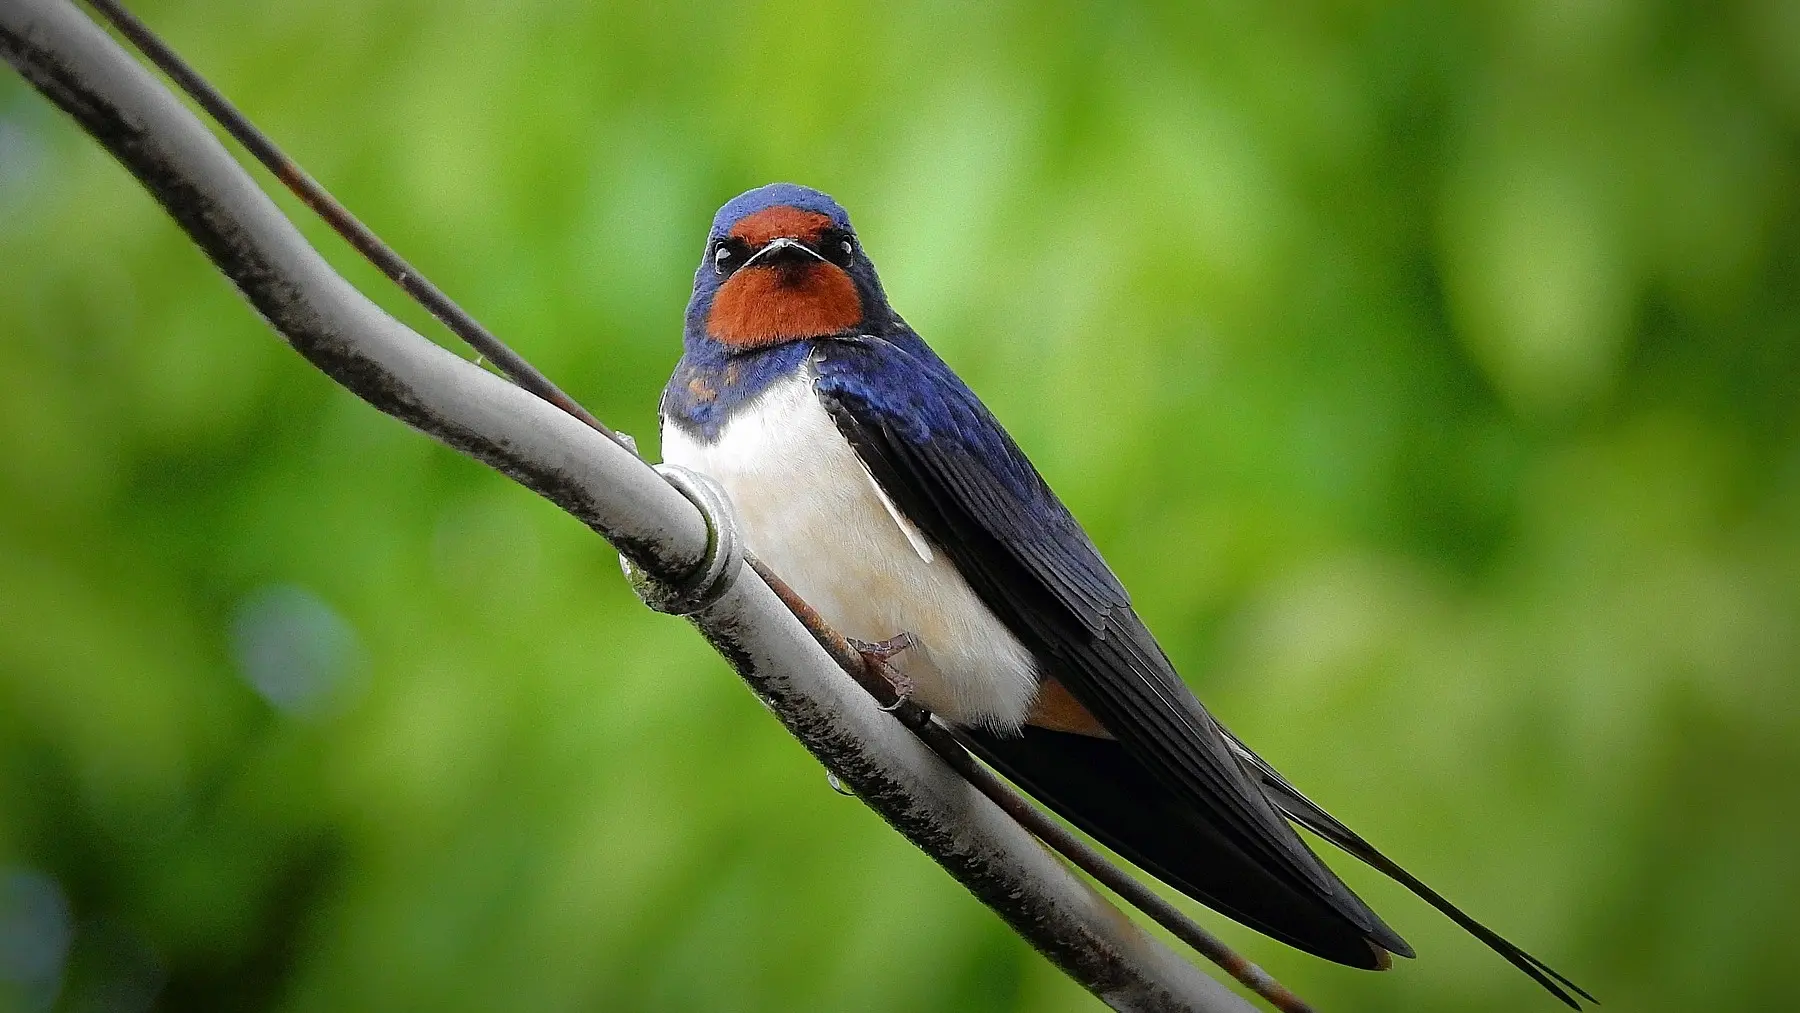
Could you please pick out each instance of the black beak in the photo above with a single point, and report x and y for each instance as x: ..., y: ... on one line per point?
x: 782, y: 251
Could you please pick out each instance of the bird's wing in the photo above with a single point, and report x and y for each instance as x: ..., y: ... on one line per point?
x: 947, y: 464
x: 1096, y: 785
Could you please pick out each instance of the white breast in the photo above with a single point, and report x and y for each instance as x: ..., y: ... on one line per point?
x: 811, y: 511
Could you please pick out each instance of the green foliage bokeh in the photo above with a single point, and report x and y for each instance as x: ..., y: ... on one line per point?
x: 1427, y: 373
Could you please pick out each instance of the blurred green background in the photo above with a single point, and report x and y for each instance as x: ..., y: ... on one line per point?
x: 1429, y: 375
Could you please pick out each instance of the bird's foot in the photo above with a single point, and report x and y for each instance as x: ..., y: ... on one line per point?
x: 882, y: 650
x: 877, y: 655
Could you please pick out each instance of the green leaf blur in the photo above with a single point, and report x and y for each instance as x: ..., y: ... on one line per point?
x: 1427, y: 372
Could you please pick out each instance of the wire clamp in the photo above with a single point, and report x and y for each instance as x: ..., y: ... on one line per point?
x: 717, y: 571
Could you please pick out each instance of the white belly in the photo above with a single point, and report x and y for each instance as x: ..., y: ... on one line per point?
x: 812, y: 513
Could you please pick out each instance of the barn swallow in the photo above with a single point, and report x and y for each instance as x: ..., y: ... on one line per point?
x: 866, y: 474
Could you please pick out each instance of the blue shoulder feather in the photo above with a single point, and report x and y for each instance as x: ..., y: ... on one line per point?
x: 952, y: 469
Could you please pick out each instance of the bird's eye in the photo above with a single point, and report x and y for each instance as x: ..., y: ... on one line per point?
x: 722, y: 257
x: 838, y: 247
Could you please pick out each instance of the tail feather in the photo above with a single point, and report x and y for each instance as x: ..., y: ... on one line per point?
x: 1305, y: 812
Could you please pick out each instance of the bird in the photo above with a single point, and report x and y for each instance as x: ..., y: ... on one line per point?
x: 868, y: 475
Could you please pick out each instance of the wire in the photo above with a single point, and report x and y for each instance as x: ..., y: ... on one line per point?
x: 346, y: 224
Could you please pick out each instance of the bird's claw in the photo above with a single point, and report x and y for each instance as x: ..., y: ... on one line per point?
x: 882, y: 650
x: 877, y: 654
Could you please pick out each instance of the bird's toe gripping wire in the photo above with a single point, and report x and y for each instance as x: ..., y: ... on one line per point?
x: 716, y: 572
x: 882, y: 650
x: 877, y: 655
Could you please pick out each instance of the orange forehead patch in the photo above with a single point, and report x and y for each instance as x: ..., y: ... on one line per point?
x: 769, y: 305
x: 779, y: 221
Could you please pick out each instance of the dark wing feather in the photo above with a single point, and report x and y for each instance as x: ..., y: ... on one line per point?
x: 950, y: 468
x: 1098, y: 786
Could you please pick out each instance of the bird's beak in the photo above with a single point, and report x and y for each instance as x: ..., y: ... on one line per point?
x: 776, y: 245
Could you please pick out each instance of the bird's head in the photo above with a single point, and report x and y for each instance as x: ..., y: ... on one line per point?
x: 781, y: 264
